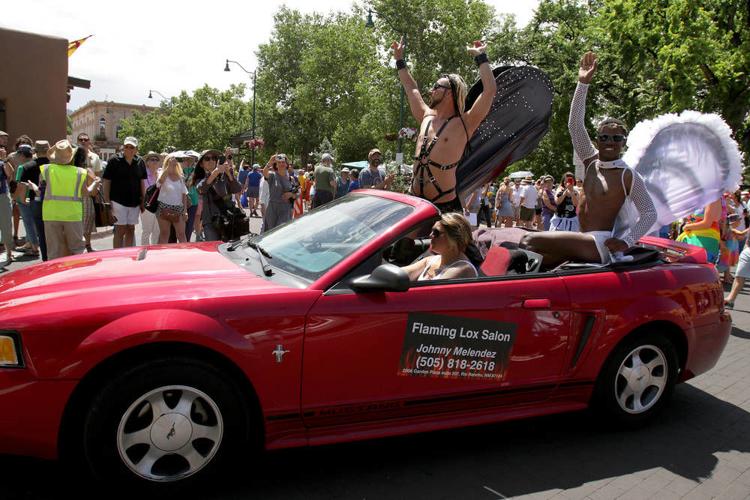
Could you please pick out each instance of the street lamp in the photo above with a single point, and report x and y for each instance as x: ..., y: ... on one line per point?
x: 226, y: 68
x: 371, y: 24
x: 151, y: 96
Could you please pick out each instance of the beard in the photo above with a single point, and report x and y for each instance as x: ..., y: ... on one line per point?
x: 434, y: 101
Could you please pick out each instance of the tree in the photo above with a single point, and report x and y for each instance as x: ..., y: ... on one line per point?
x: 208, y: 118
x: 681, y: 54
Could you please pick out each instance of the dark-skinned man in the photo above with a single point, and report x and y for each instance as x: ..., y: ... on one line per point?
x: 604, y: 191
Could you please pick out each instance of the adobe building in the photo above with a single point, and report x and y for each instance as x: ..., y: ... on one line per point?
x: 34, y: 85
x: 101, y: 120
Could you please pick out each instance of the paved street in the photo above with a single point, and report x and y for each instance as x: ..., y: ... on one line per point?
x: 699, y: 448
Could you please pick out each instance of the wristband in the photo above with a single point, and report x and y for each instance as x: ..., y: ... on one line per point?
x: 481, y: 59
x: 400, y: 64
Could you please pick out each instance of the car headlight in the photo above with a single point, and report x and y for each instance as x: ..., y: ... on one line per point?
x: 10, y: 350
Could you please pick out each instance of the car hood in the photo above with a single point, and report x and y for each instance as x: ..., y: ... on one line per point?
x: 142, y: 273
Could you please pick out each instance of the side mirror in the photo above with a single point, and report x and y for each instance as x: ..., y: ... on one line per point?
x: 385, y: 278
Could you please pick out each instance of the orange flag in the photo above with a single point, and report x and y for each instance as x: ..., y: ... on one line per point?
x: 72, y: 46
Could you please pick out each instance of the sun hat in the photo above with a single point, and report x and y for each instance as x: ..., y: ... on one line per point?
x: 61, y: 153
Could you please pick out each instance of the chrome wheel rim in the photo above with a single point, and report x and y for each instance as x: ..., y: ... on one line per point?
x: 170, y: 433
x: 641, y: 379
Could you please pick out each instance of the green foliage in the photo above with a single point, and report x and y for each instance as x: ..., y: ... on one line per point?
x: 331, y: 78
x: 206, y: 119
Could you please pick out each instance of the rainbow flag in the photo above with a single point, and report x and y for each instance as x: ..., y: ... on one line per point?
x: 73, y: 46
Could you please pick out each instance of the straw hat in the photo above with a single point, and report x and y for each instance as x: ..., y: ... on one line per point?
x: 61, y: 153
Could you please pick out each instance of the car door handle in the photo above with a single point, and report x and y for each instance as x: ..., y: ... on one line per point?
x: 537, y: 304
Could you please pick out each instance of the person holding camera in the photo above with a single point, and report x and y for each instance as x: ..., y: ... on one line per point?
x: 281, y: 193
x: 214, y: 179
x: 565, y: 217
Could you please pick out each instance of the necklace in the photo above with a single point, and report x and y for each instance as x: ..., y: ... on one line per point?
x: 606, y: 165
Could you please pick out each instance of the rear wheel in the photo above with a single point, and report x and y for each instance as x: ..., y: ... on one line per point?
x: 637, y: 380
x: 167, y: 421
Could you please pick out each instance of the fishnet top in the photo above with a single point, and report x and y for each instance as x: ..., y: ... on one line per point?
x: 637, y: 192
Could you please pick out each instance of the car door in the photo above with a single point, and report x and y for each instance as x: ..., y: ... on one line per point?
x: 439, y: 346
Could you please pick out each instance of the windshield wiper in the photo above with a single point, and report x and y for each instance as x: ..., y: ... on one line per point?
x: 240, y: 241
x: 262, y: 254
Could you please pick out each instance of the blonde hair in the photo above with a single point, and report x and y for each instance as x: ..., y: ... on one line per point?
x: 178, y: 167
x: 461, y: 90
x: 457, y: 228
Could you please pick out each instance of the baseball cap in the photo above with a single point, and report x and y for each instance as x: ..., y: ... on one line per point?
x: 326, y: 156
x: 372, y: 152
x: 192, y: 154
x: 345, y: 170
x: 132, y: 141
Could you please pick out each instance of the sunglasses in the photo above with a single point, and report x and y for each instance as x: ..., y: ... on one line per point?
x: 153, y: 159
x: 608, y: 138
x: 210, y: 158
x: 436, y: 86
x: 435, y: 232
x: 83, y: 140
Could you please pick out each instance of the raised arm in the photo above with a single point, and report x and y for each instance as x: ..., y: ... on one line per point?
x: 416, y: 103
x: 482, y: 105
x: 581, y: 141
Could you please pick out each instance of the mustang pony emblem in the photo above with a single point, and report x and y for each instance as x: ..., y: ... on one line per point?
x: 172, y: 432
x: 279, y: 353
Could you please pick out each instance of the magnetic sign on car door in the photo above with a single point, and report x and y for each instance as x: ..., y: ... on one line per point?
x: 458, y: 348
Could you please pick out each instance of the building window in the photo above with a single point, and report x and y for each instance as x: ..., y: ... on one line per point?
x: 2, y: 115
x: 102, y: 135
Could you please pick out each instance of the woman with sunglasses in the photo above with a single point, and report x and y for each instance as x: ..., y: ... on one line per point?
x: 216, y: 184
x: 281, y: 194
x: 449, y: 238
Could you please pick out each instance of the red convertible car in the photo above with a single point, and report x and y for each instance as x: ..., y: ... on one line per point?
x: 156, y: 364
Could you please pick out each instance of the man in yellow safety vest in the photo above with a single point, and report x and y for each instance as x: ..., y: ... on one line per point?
x: 62, y: 209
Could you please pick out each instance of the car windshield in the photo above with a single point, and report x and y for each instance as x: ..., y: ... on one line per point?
x: 310, y: 246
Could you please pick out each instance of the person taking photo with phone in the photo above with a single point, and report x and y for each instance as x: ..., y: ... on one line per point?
x: 214, y: 179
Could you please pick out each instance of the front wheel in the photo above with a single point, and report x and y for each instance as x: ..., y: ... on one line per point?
x: 164, y: 421
x: 637, y: 380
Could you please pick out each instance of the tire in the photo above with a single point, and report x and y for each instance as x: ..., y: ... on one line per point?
x: 637, y: 381
x: 163, y: 424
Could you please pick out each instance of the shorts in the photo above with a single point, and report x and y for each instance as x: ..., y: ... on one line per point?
x: 564, y: 224
x: 126, y: 216
x: 253, y: 191
x: 527, y: 214
x: 165, y: 206
x: 599, y: 238
x: 743, y: 266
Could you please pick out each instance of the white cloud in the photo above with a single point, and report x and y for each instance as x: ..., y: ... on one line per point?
x: 166, y: 46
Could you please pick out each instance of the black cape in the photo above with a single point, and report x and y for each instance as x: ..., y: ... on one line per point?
x: 517, y: 121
